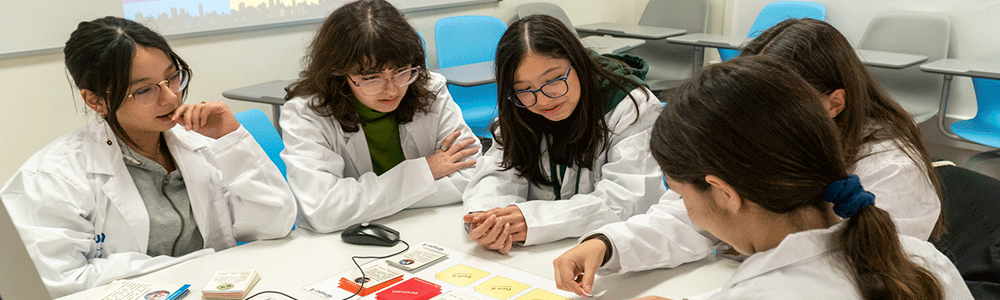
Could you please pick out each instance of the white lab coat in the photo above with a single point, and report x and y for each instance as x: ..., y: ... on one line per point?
x: 625, y: 180
x: 330, y: 170
x: 806, y: 266
x: 82, y: 219
x: 665, y: 237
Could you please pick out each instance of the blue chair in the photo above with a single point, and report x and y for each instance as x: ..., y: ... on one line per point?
x: 462, y: 40
x: 984, y: 128
x: 774, y: 13
x: 256, y: 122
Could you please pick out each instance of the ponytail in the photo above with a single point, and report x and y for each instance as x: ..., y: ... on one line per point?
x: 872, y: 250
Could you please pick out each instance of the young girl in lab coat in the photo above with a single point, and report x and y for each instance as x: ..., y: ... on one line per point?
x: 881, y: 145
x: 151, y: 181
x: 776, y: 186
x: 368, y: 130
x: 571, y: 146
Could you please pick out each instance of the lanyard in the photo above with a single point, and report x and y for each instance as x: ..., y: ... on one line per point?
x: 557, y: 178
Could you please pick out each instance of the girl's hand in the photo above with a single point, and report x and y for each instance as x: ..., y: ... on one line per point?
x: 448, y: 158
x: 211, y: 119
x: 575, y: 269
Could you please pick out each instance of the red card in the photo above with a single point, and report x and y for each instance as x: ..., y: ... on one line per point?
x: 411, y: 289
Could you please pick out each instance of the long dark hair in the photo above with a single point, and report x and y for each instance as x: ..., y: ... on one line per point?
x: 581, y: 137
x: 99, y: 57
x: 757, y: 125
x: 827, y: 61
x: 365, y: 36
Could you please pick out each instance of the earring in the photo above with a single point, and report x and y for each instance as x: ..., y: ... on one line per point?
x: 102, y: 120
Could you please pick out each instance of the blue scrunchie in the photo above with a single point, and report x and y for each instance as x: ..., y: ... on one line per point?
x: 847, y: 196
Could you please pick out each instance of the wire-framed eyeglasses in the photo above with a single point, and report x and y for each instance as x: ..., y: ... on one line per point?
x: 553, y: 89
x: 377, y: 85
x: 149, y: 94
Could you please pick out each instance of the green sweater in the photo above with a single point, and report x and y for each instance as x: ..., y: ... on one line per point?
x: 382, y: 133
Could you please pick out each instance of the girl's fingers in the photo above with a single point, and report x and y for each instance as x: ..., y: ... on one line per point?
x: 479, y: 231
x: 450, y: 139
x: 460, y: 145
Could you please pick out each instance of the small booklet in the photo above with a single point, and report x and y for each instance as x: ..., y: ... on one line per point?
x: 230, y: 285
x: 132, y: 290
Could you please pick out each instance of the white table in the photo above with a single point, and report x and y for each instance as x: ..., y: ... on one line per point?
x: 961, y: 67
x: 702, y: 40
x: 605, y: 44
x: 303, y: 258
x: 631, y: 31
x: 469, y: 75
x: 271, y: 92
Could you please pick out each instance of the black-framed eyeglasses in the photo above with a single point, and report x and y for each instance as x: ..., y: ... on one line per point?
x: 553, y: 89
x: 377, y: 85
x: 149, y: 94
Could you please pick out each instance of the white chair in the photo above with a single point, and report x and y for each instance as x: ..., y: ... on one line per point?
x: 601, y: 44
x: 917, y: 33
x: 670, y: 64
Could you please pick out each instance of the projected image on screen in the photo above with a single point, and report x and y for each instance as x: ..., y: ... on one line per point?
x: 183, y: 16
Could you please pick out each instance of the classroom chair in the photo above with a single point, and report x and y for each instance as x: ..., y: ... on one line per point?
x: 984, y: 128
x: 256, y: 122
x: 774, y: 13
x: 542, y: 8
x: 670, y: 64
x: 462, y: 40
x: 972, y: 218
x: 917, y: 33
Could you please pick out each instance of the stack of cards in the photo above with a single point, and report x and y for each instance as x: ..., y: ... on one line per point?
x: 230, y: 285
x: 415, y: 258
x: 411, y: 289
x: 376, y: 278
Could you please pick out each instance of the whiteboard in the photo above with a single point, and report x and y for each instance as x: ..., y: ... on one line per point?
x: 37, y: 27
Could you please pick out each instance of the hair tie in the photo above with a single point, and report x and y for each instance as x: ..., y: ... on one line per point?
x: 848, y: 196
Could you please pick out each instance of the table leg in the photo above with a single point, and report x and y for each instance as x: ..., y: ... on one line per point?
x: 945, y: 91
x: 699, y: 59
x: 276, y: 109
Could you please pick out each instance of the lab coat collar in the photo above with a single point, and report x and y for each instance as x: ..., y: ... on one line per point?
x: 414, y: 133
x: 98, y: 135
x: 795, y: 248
x: 108, y: 160
x: 417, y: 132
x: 357, y: 147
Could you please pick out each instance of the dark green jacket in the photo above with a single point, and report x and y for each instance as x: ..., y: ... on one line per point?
x: 632, y: 67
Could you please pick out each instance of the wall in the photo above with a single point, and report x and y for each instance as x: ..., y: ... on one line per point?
x: 38, y: 105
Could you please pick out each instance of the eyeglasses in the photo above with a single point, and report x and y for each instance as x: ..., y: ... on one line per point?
x: 377, y: 85
x: 553, y: 89
x: 147, y: 95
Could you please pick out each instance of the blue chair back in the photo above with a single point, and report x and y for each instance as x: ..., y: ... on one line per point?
x: 257, y: 123
x: 774, y: 13
x: 462, y: 40
x: 985, y: 127
x: 987, y: 96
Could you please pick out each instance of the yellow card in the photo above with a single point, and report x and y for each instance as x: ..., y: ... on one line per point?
x: 461, y: 275
x: 540, y: 294
x: 501, y: 288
